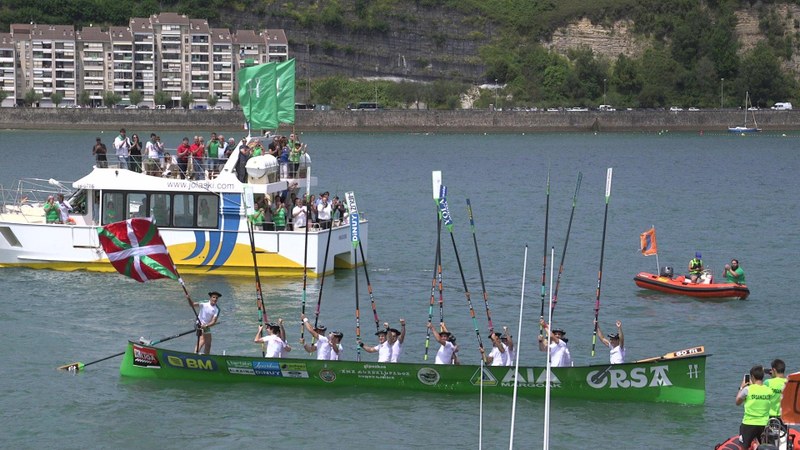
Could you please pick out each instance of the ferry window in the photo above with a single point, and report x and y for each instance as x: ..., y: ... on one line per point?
x: 78, y: 202
x: 159, y: 209
x: 183, y: 210
x: 137, y: 205
x: 112, y: 207
x: 207, y: 211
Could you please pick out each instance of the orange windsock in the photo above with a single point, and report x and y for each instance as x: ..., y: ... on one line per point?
x: 648, y: 242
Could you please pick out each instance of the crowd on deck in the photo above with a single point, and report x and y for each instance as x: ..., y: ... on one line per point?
x: 199, y: 159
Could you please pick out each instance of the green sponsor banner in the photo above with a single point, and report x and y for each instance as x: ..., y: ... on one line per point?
x: 285, y: 87
x: 258, y: 94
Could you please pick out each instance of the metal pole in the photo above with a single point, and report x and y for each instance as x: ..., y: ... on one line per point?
x: 721, y: 92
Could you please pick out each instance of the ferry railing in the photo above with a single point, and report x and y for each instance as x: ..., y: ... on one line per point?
x: 27, y: 199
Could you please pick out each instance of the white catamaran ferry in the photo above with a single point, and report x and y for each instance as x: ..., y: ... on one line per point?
x: 202, y: 222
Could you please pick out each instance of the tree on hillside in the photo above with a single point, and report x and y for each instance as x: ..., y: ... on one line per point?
x: 135, y: 96
x: 31, y: 97
x: 212, y: 100
x: 56, y: 98
x: 235, y: 98
x: 111, y: 98
x: 660, y: 74
x: 625, y: 77
x: 761, y: 75
x: 3, y: 96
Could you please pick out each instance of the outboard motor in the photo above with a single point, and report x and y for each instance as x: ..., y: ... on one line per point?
x: 774, y: 436
x: 666, y: 271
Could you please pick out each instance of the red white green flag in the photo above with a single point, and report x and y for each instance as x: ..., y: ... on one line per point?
x: 136, y: 250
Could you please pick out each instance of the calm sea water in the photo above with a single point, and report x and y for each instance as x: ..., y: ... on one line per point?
x: 726, y: 196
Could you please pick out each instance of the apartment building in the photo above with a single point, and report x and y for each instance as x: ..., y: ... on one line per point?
x: 8, y: 58
x: 165, y: 53
x: 94, y: 49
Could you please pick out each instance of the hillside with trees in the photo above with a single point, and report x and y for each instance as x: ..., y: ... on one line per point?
x: 347, y: 50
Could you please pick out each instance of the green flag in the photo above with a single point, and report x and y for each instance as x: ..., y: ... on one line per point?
x: 285, y: 74
x: 258, y: 95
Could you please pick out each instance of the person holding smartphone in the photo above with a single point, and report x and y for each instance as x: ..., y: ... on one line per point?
x: 757, y: 400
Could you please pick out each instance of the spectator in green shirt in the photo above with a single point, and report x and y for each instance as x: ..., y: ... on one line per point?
x: 733, y: 273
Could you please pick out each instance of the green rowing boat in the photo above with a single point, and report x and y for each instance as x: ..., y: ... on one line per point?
x: 678, y: 378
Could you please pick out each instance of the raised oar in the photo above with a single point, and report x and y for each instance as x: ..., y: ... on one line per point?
x: 322, y: 280
x: 78, y: 366
x: 602, y: 251
x: 305, y: 249
x: 369, y: 287
x: 354, y: 239
x: 566, y: 241
x: 693, y: 351
x: 262, y: 311
x: 430, y: 307
x: 544, y: 253
x: 480, y: 268
x: 448, y: 221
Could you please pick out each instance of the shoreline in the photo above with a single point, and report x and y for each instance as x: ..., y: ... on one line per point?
x: 421, y: 121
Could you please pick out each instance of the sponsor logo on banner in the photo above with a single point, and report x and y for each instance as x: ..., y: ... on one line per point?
x: 526, y: 377
x: 636, y: 378
x: 267, y: 368
x: 488, y: 378
x: 145, y: 357
x: 294, y: 370
x: 191, y: 362
x: 428, y: 376
x: 354, y: 229
x: 240, y: 367
x: 327, y: 375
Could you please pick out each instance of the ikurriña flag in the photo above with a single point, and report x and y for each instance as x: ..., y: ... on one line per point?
x: 136, y: 250
x: 648, y: 242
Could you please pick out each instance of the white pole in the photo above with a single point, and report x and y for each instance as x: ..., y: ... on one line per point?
x: 480, y: 412
x: 546, y: 443
x: 658, y: 266
x: 519, y: 341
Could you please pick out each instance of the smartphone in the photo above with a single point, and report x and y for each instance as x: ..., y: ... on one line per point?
x: 747, y: 378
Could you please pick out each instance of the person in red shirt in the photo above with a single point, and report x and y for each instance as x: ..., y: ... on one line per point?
x: 198, y: 150
x: 182, y: 155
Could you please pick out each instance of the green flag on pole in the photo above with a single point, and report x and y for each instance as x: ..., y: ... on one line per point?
x: 285, y: 76
x: 258, y: 94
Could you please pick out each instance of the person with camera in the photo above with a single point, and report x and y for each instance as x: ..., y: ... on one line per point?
x: 733, y: 273
x: 324, y: 209
x: 757, y: 400
x: 776, y: 383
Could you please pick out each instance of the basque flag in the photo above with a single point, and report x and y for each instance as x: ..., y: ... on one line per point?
x: 136, y: 250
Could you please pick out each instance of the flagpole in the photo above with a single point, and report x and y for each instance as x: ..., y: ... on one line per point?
x: 658, y: 266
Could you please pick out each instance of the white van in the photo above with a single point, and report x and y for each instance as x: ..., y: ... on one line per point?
x: 782, y: 106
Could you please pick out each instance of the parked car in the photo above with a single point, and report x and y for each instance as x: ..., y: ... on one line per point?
x: 675, y: 109
x: 131, y: 107
x: 782, y: 106
x: 694, y: 108
x: 606, y: 108
x: 161, y: 106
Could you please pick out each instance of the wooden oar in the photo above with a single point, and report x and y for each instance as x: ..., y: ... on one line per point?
x: 480, y: 268
x: 544, y: 252
x: 693, y: 351
x: 78, y: 366
x: 602, y: 250
x: 566, y: 241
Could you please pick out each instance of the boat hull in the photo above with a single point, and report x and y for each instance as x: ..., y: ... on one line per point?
x: 743, y: 130
x: 670, y: 381
x: 678, y: 286
x: 733, y: 442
